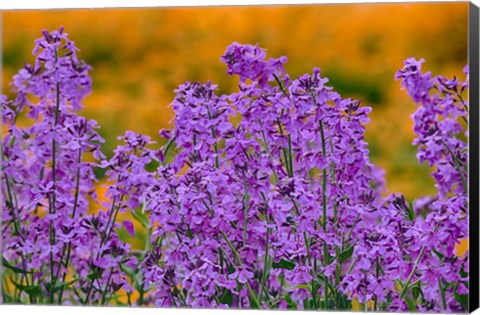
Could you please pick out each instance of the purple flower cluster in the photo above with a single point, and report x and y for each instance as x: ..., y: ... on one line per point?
x: 276, y: 195
x: 439, y: 124
x: 48, y: 158
x: 441, y: 128
x: 408, y: 261
x: 264, y: 198
x: 249, y: 62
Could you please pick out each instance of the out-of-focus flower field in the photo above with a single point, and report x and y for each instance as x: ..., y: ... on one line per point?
x: 140, y: 56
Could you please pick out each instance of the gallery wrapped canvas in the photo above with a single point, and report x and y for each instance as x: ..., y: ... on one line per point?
x: 241, y: 157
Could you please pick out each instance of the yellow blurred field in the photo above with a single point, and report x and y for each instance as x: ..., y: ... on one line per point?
x: 140, y: 56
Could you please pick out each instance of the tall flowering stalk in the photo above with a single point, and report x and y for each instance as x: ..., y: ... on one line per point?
x: 267, y: 208
x: 441, y: 127
x: 268, y: 201
x: 408, y: 261
x: 48, y: 156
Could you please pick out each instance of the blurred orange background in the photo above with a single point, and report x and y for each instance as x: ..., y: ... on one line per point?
x: 140, y: 56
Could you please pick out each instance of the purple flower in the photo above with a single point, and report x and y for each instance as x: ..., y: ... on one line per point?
x: 280, y: 209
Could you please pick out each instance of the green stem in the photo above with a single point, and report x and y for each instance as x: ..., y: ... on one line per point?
x: 245, y: 212
x: 351, y: 265
x: 173, y: 299
x: 290, y: 155
x: 111, y: 218
x: 335, y: 222
x: 267, y: 148
x: 15, y: 219
x: 104, y: 293
x: 365, y: 304
x: 3, y: 289
x: 53, y: 200
x: 60, y: 296
x: 312, y: 283
x: 182, y: 298
x: 324, y: 182
x: 442, y: 291
x: 168, y: 146
x: 265, y: 263
x: 357, y: 217
x: 75, y: 203
x: 239, y: 262
x: 309, y: 257
x: 16, y: 224
x: 77, y: 182
x: 324, y: 212
x: 215, y: 145
x: 286, y: 155
x: 377, y: 273
x: 235, y: 253
x: 281, y: 85
x: 464, y: 104
x: 405, y: 287
x: 457, y: 165
x: 129, y: 299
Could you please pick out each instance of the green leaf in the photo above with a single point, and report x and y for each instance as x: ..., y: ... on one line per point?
x: 416, y: 292
x: 69, y: 283
x: 291, y: 304
x: 461, y: 298
x: 141, y: 218
x: 95, y: 275
x: 230, y: 269
x: 254, y: 305
x: 411, y: 213
x: 330, y: 304
x: 344, y: 302
x: 283, y: 264
x: 439, y: 255
x: 59, y: 285
x: 226, y: 298
x: 128, y: 271
x: 346, y: 254
x: 463, y: 274
x: 6, y: 264
x: 112, y: 297
x: 32, y: 290
x: 306, y: 304
x: 410, y: 304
